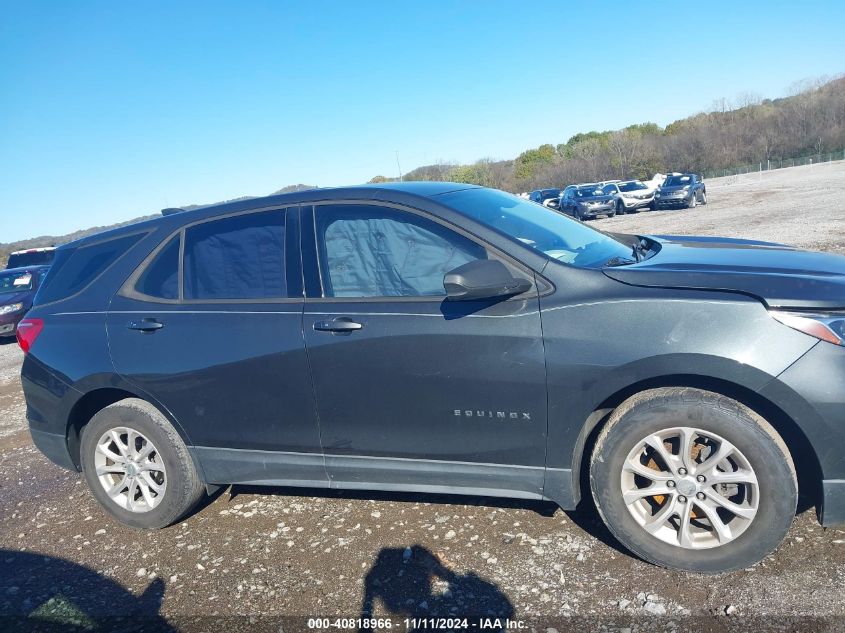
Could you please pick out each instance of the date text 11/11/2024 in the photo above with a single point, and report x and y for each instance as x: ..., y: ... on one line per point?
x: 432, y: 623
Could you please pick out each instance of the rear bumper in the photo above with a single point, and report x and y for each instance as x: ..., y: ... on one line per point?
x: 54, y: 447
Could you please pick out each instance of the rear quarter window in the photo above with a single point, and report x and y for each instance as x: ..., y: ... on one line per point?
x: 160, y: 278
x: 74, y: 269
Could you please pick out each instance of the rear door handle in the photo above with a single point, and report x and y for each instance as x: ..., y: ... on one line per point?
x: 340, y: 325
x: 145, y: 325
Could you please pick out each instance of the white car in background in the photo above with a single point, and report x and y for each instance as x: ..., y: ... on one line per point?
x: 630, y: 195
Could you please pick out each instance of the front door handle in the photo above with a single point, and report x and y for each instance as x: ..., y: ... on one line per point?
x: 145, y: 325
x: 340, y: 325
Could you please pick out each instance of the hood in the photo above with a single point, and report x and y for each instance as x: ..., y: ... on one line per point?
x: 15, y: 297
x: 671, y: 189
x: 779, y: 275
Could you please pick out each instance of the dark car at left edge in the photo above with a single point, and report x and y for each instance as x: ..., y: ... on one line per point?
x: 17, y: 290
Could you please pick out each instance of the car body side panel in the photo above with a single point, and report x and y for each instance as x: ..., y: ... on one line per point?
x: 601, y: 338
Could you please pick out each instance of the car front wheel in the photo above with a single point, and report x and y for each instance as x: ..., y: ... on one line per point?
x: 137, y: 466
x: 692, y: 480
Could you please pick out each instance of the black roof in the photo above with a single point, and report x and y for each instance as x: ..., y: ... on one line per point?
x: 390, y: 190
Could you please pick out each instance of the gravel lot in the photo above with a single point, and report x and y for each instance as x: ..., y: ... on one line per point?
x: 284, y: 552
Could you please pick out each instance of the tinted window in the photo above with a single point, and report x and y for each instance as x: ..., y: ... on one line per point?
x: 35, y: 258
x: 677, y: 181
x: 240, y: 257
x: 588, y: 191
x: 377, y: 252
x: 609, y: 189
x: 73, y: 270
x: 161, y: 277
x: 632, y: 186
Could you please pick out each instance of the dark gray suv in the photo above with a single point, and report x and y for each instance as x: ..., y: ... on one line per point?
x: 453, y: 339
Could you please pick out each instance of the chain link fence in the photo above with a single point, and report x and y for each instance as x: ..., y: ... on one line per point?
x: 766, y: 165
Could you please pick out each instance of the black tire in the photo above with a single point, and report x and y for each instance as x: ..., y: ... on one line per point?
x: 658, y: 409
x: 576, y: 213
x: 703, y: 197
x: 183, y: 488
x: 620, y: 207
x: 693, y: 201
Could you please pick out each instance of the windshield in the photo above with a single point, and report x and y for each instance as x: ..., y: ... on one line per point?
x: 18, y: 282
x: 549, y: 232
x: 631, y: 186
x: 677, y: 181
x: 588, y: 192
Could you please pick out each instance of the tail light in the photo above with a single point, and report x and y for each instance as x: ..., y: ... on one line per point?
x: 28, y: 331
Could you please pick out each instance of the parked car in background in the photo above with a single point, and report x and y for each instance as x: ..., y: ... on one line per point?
x: 630, y: 195
x: 31, y: 257
x: 655, y: 181
x: 587, y: 201
x: 547, y: 197
x: 681, y: 190
x: 17, y: 289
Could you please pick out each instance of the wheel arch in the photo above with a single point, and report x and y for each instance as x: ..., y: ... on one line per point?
x: 95, y: 400
x: 806, y: 460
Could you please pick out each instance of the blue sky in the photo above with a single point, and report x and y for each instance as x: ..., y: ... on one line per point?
x: 110, y: 110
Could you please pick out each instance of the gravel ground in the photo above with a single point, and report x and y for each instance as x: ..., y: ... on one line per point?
x: 281, y: 552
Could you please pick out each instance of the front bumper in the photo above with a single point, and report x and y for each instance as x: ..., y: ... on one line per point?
x: 593, y: 211
x: 633, y: 204
x: 811, y: 392
x: 679, y: 201
x: 9, y: 322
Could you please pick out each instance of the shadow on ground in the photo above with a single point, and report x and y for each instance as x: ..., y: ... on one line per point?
x: 45, y: 594
x: 413, y: 583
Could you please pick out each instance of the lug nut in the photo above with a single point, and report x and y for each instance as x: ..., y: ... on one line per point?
x: 701, y: 479
x: 682, y: 499
x: 700, y: 496
x: 682, y: 471
x: 670, y: 483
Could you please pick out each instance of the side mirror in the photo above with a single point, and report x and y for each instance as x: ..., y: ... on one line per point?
x: 482, y: 279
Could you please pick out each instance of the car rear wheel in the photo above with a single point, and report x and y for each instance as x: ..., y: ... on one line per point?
x: 137, y: 466
x: 703, y: 197
x: 692, y: 480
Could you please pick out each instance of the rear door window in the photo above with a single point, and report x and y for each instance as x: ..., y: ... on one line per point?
x: 238, y: 257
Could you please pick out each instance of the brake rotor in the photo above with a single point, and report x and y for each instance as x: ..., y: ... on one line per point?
x: 660, y: 499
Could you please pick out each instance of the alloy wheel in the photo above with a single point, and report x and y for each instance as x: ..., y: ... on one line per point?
x: 690, y: 488
x: 130, y: 469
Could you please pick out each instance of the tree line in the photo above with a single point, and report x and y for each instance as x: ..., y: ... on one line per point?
x: 810, y: 120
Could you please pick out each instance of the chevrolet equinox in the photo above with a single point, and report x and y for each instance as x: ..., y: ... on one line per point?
x: 434, y: 337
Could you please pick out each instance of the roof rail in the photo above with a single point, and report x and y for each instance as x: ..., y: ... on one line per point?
x: 171, y: 210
